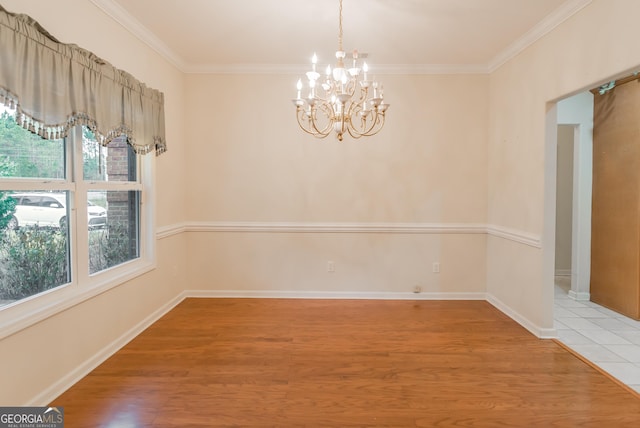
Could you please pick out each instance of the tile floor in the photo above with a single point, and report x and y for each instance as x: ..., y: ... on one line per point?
x: 606, y: 338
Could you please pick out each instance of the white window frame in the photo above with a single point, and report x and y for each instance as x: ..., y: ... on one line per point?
x: 23, y: 313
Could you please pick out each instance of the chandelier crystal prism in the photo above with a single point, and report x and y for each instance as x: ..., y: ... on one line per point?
x: 345, y: 100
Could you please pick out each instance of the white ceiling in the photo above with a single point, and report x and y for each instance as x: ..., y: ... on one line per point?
x: 422, y: 36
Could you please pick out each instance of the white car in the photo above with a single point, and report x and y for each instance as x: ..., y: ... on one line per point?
x: 49, y: 209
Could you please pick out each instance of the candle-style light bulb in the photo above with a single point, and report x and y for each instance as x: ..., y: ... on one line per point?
x: 312, y: 85
x: 299, y: 87
x: 314, y: 61
x: 343, y: 82
x: 365, y: 68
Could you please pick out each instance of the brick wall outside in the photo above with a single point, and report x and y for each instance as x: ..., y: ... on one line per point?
x: 122, y: 205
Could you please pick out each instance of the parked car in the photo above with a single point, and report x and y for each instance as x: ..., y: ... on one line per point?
x: 49, y: 209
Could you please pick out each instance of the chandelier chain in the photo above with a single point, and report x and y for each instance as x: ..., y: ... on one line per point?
x: 340, y: 29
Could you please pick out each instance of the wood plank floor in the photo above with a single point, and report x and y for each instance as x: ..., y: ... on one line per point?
x: 344, y: 363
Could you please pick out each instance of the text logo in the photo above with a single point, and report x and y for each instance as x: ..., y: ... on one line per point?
x: 31, y: 417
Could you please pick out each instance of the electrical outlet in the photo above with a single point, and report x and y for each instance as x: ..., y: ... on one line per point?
x: 331, y: 266
x: 417, y: 289
x: 436, y: 267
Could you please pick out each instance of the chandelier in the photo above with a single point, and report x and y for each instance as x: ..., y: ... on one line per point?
x: 344, y: 101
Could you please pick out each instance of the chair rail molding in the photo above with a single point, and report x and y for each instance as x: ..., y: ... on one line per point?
x: 312, y: 227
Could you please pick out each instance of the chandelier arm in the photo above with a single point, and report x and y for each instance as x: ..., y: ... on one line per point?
x: 301, y: 116
x: 328, y: 112
x: 376, y: 125
x: 358, y: 105
x: 356, y: 109
x: 360, y: 97
x: 371, y: 132
x: 364, y: 92
x: 354, y: 132
x: 351, y: 87
x: 351, y: 112
x: 324, y: 108
x: 365, y: 130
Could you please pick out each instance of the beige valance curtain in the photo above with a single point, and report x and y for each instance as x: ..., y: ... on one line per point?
x: 55, y: 86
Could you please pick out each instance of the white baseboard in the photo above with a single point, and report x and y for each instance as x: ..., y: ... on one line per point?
x: 580, y: 296
x: 355, y: 295
x: 541, y: 333
x: 53, y: 391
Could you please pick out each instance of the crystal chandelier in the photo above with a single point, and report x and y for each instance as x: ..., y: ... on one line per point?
x: 345, y: 101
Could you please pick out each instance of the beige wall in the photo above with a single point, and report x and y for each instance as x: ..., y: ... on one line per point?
x: 249, y: 162
x: 584, y: 51
x: 564, y: 199
x: 366, y: 264
x: 44, y: 357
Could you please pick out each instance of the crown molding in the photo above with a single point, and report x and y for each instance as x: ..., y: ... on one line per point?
x: 551, y: 21
x: 246, y: 69
x: 428, y: 69
x: 124, y: 18
x: 297, y: 69
x: 557, y: 17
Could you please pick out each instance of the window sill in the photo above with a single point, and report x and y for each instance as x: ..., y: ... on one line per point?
x: 27, y: 312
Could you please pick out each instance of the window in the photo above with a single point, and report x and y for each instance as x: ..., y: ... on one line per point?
x: 62, y: 232
x: 75, y: 215
x: 110, y: 175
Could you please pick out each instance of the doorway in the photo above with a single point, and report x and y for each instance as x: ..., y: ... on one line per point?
x: 606, y: 338
x: 574, y: 172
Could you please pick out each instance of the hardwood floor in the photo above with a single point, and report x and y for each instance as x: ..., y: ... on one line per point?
x: 344, y: 363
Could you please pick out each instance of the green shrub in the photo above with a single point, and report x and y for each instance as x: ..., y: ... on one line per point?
x: 32, y: 260
x: 110, y: 246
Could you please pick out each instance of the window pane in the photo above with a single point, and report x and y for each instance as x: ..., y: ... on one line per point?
x: 26, y: 155
x: 38, y: 208
x: 117, y: 162
x: 117, y: 239
x: 34, y: 248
